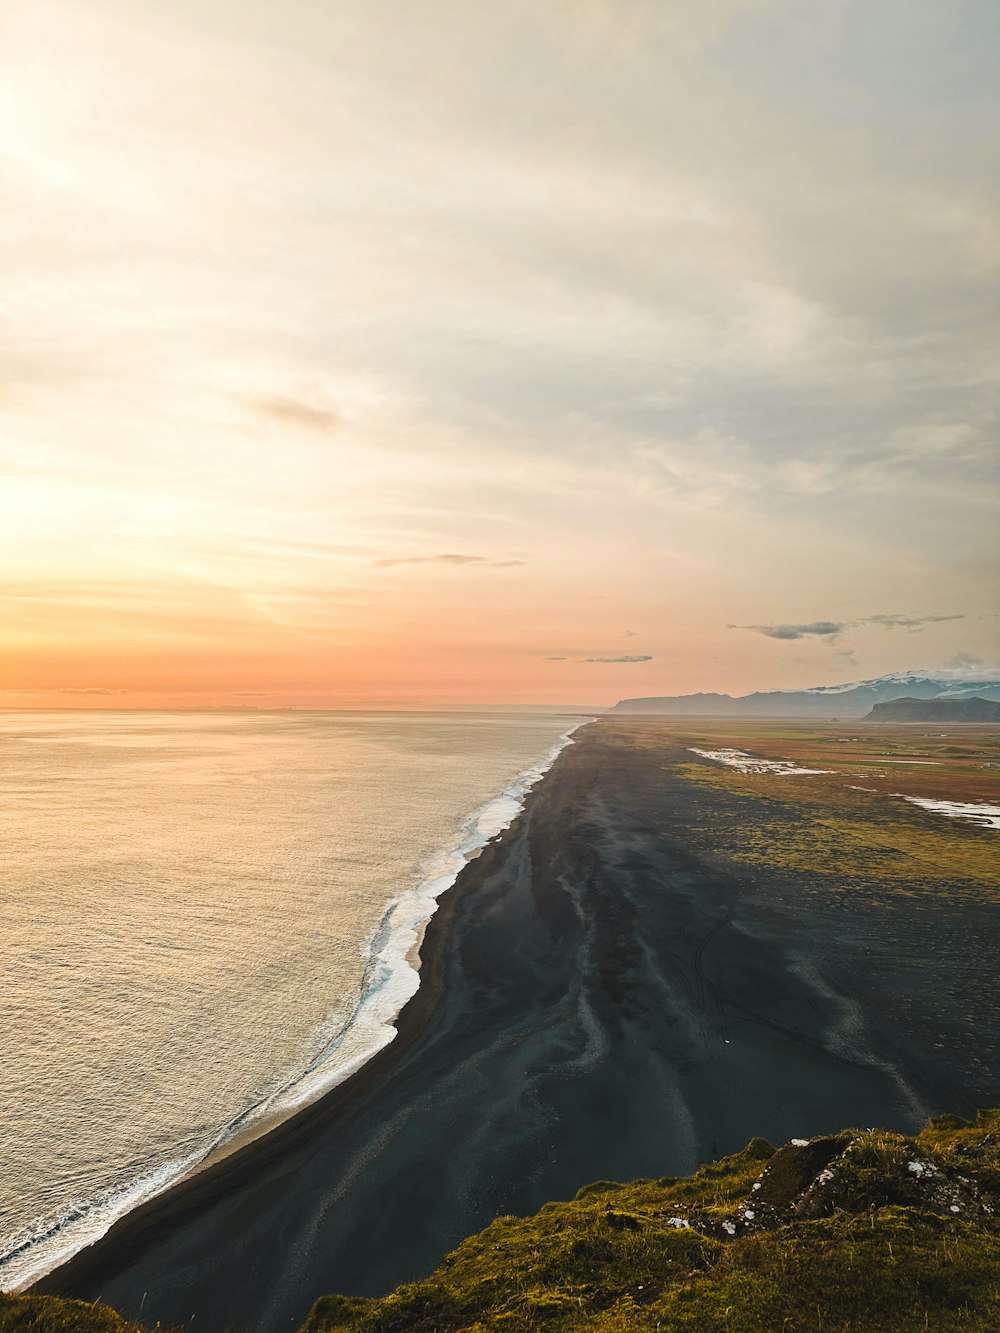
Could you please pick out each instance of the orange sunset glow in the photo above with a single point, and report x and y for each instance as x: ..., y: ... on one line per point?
x: 338, y: 376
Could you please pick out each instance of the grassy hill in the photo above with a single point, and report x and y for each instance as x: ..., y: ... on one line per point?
x: 860, y: 1231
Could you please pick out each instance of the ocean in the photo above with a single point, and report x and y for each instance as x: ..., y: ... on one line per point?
x: 205, y: 923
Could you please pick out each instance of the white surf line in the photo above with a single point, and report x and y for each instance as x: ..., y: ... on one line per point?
x: 986, y: 816
x: 749, y: 763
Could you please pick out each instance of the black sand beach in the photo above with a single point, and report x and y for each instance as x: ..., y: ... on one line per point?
x: 599, y: 998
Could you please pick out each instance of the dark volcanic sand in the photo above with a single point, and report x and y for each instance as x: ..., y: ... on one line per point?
x: 597, y: 1001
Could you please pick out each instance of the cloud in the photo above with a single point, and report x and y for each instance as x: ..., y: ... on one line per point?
x: 64, y: 689
x: 88, y: 690
x: 447, y: 558
x: 636, y: 657
x: 294, y: 410
x: 830, y: 630
x: 965, y: 662
x: 820, y: 629
x: 629, y: 634
x: 548, y: 291
x: 906, y: 622
x: 556, y: 659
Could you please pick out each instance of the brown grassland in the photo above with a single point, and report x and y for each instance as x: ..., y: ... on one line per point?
x: 850, y: 820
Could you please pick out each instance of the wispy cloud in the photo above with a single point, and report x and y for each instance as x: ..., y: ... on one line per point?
x: 88, y: 689
x: 630, y: 657
x: 819, y: 629
x: 295, y: 411
x: 65, y: 689
x: 907, y: 622
x: 965, y: 662
x: 831, y: 630
x: 447, y: 558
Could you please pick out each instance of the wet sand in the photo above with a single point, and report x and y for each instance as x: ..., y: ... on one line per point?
x: 597, y: 1000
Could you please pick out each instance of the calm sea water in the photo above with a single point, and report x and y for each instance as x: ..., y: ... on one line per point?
x: 204, y: 922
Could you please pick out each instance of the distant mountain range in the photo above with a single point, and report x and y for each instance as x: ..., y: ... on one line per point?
x: 947, y: 709
x: 853, y: 700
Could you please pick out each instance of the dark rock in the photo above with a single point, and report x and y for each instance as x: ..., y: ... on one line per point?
x: 793, y: 1169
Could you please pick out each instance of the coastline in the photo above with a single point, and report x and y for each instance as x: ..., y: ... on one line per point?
x: 188, y: 1194
x: 417, y: 906
x: 599, y: 999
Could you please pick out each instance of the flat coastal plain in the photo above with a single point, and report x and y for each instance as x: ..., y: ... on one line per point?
x: 664, y: 956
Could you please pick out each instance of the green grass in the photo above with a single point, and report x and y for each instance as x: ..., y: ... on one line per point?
x: 871, y: 1246
x: 822, y: 826
x: 50, y: 1314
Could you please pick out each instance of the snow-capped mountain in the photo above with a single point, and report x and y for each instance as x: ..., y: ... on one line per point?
x: 854, y: 699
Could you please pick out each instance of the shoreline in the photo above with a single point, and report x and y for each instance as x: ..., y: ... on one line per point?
x: 606, y: 994
x: 264, y: 1139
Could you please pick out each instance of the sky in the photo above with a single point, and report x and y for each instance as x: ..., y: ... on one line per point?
x: 385, y: 354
